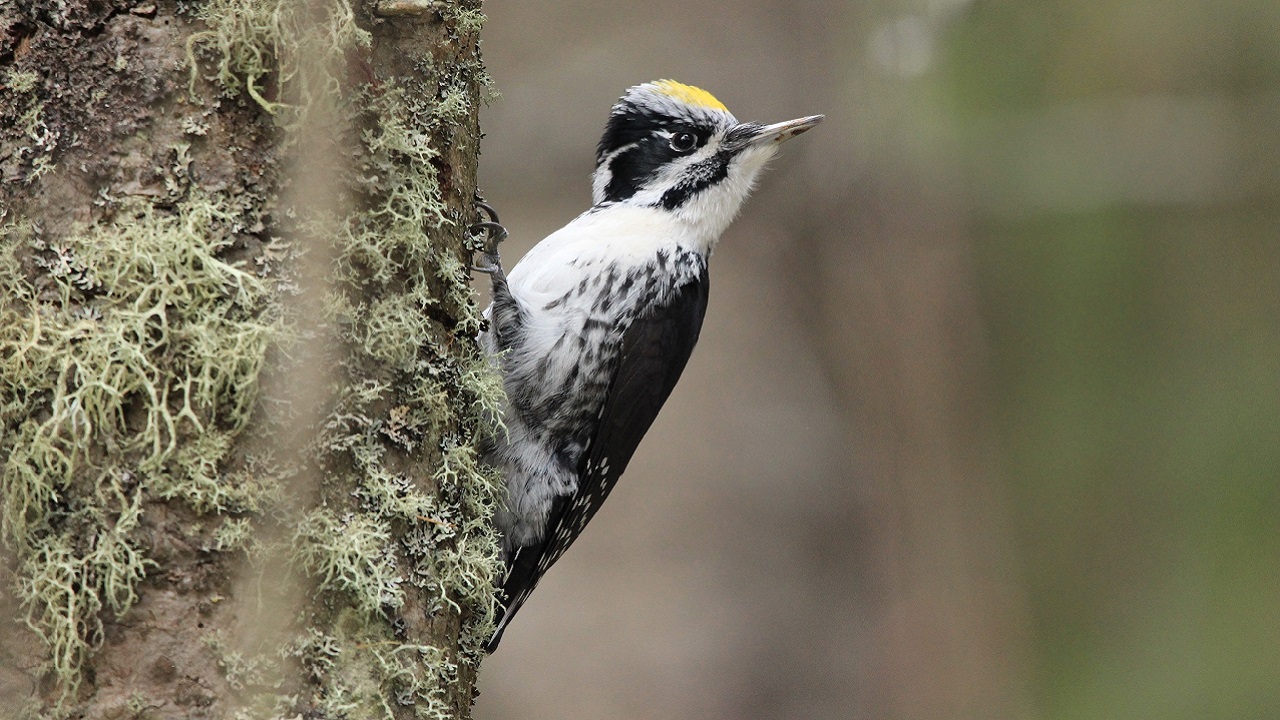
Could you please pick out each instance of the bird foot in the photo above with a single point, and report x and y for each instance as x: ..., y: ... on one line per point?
x: 494, y: 234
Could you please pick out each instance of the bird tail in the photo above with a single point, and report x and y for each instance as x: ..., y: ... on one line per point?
x: 509, y: 610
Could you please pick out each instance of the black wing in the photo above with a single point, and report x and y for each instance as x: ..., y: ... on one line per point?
x: 655, y: 349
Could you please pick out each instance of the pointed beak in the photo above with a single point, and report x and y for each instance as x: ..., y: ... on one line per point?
x: 757, y: 134
x: 779, y: 132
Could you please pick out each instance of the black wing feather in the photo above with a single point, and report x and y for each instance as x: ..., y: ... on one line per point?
x: 655, y: 349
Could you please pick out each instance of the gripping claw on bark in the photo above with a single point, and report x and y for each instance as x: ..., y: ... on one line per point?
x: 494, y: 235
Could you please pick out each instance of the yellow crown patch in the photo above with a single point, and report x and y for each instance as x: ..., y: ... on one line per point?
x: 689, y: 94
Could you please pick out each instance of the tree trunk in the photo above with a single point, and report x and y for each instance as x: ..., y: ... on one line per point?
x: 239, y: 390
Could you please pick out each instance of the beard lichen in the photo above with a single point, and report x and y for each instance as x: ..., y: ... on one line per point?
x: 404, y: 501
x: 289, y: 42
x: 122, y: 345
x: 132, y: 349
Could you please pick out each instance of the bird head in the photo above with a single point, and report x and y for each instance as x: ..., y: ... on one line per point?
x: 676, y: 147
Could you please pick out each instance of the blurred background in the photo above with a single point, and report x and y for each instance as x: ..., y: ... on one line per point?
x: 985, y: 418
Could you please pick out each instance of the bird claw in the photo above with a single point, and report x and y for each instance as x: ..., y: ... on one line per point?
x: 495, y: 233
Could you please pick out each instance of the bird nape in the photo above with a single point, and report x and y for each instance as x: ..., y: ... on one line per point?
x: 592, y: 328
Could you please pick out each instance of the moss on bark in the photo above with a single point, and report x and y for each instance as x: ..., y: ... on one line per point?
x: 159, y: 474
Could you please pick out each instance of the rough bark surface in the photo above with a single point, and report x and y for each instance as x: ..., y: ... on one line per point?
x: 239, y: 392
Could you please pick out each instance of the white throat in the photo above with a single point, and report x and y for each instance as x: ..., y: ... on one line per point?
x: 703, y: 218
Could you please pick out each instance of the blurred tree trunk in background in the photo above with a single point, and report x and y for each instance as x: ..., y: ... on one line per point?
x: 239, y: 394
x: 895, y: 318
x: 888, y: 295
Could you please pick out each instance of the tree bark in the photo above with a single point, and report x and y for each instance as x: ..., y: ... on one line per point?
x: 240, y: 394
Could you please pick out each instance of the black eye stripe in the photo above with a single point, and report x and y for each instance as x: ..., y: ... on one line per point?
x: 633, y: 166
x: 639, y: 142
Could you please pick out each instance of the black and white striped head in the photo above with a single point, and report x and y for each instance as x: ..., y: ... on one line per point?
x: 677, y: 147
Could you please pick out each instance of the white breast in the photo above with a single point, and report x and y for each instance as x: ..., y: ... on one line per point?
x: 616, y: 233
x: 547, y: 280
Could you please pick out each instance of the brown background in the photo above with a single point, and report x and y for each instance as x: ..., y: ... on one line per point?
x: 982, y: 422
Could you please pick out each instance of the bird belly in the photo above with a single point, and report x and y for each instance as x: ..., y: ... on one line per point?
x: 557, y: 373
x: 556, y: 378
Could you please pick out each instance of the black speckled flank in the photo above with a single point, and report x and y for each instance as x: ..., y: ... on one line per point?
x: 567, y: 405
x: 508, y: 318
x: 630, y: 361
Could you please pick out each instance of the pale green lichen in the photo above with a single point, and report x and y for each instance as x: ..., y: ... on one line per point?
x: 140, y: 705
x: 257, y: 677
x: 241, y: 669
x: 147, y: 331
x: 412, y: 381
x: 64, y: 587
x: 370, y: 674
x: 352, y: 554
x: 135, y: 340
x: 462, y: 569
x: 466, y: 21
x: 21, y: 81
x: 43, y: 140
x: 119, y: 343
x: 30, y: 141
x: 249, y: 40
x: 235, y: 534
x: 197, y: 477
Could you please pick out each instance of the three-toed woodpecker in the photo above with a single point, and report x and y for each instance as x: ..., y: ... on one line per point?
x: 593, y: 327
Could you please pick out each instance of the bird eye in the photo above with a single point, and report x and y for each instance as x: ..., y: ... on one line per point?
x: 683, y: 141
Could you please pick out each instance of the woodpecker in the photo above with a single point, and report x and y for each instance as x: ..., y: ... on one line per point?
x: 592, y: 328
